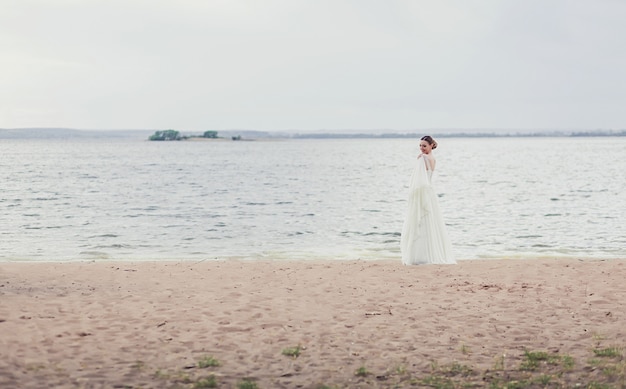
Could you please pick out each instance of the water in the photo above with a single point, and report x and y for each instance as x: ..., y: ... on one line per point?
x: 306, y: 199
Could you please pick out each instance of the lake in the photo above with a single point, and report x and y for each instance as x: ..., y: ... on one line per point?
x: 128, y: 199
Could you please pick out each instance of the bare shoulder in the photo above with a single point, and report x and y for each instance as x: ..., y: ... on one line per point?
x: 430, y: 161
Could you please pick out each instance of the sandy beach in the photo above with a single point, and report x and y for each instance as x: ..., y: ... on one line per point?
x: 291, y: 324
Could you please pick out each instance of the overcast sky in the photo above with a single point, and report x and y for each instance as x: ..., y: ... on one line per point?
x: 313, y: 65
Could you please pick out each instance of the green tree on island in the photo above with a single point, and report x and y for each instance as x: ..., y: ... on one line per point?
x: 210, y: 134
x: 165, y: 135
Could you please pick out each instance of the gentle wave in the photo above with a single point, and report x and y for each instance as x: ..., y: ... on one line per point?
x: 306, y: 199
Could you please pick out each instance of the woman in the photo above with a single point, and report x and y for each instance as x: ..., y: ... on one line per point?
x: 424, y: 239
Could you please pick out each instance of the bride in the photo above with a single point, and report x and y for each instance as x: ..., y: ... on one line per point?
x: 424, y: 239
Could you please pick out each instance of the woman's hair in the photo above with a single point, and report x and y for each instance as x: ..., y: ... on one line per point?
x: 430, y: 141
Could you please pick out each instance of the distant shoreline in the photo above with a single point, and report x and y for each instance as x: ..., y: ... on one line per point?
x: 455, y: 135
x: 66, y: 133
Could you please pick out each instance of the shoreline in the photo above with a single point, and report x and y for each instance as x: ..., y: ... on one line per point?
x: 149, y: 323
x: 286, y: 259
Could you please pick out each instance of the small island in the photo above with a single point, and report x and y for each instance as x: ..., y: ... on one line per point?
x: 168, y: 135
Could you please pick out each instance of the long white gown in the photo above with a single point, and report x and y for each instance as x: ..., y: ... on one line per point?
x: 424, y: 239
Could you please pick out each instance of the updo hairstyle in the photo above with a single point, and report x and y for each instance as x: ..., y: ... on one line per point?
x: 430, y: 141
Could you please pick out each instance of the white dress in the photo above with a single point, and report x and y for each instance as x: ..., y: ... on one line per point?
x: 424, y: 239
